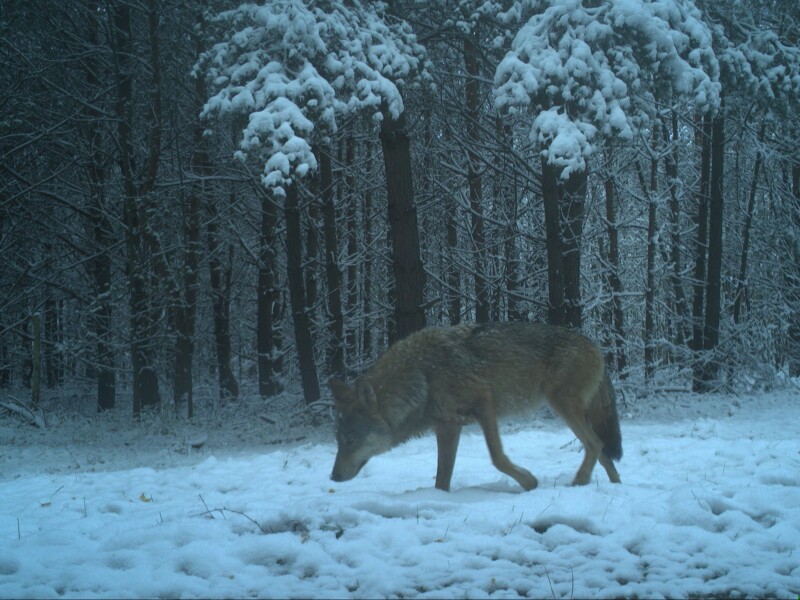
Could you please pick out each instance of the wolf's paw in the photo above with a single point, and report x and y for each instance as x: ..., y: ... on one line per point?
x: 527, y: 481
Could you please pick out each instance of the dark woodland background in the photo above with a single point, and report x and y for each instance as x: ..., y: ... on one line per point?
x: 142, y: 260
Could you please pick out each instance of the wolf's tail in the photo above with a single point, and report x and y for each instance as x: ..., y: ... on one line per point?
x: 604, y: 420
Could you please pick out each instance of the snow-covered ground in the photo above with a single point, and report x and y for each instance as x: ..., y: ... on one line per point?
x: 93, y: 506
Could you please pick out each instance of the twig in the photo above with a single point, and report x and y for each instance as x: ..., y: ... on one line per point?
x: 77, y: 464
x: 607, y: 507
x: 552, y: 591
x: 572, y: 588
x: 246, y: 516
x: 208, y: 510
x: 515, y: 523
x: 222, y: 511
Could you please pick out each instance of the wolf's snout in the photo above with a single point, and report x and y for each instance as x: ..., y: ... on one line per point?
x: 345, y: 472
x: 337, y: 475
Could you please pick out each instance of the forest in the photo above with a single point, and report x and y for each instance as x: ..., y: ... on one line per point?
x: 202, y: 200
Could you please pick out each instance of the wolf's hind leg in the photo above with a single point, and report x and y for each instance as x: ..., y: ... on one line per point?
x: 487, y: 418
x: 608, y: 465
x: 447, y: 436
x: 576, y: 419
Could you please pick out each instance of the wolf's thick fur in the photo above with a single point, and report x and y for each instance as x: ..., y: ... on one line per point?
x: 442, y: 378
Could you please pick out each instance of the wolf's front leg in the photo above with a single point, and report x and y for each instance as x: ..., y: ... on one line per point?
x: 447, y: 437
x: 487, y: 418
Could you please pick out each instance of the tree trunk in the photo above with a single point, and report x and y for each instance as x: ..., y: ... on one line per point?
x: 474, y: 184
x: 106, y: 375
x: 145, y: 383
x: 506, y: 195
x: 184, y: 350
x: 122, y: 47
x: 453, y: 273
x: 792, y: 279
x: 302, y: 327
x: 52, y: 356
x: 671, y: 160
x: 36, y: 361
x: 713, y: 289
x: 333, y: 274
x: 151, y: 251
x: 349, y: 198
x: 741, y: 283
x: 102, y: 312
x: 219, y: 277
x: 221, y: 282
x: 186, y: 311
x: 556, y: 311
x: 614, y: 281
x: 268, y: 373
x: 563, y: 214
x: 5, y: 366
x: 143, y: 319
x: 409, y: 273
x: 649, y: 292
x: 367, y: 260
x: 312, y: 245
x: 453, y: 278
x: 701, y: 247
x: 511, y: 263
x: 103, y: 236
x: 573, y: 201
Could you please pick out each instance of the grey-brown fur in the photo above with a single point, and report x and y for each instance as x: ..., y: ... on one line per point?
x: 443, y: 378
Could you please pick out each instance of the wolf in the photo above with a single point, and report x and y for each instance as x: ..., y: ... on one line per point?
x: 443, y: 378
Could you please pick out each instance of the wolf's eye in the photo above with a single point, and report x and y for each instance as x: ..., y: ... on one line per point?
x: 345, y: 439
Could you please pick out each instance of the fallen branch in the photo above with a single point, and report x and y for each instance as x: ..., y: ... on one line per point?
x: 36, y: 417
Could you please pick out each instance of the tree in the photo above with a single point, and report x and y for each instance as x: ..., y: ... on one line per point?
x: 138, y: 178
x: 474, y: 169
x: 409, y: 274
x: 760, y: 61
x: 333, y: 273
x: 616, y: 318
x: 580, y: 68
x: 349, y: 60
x: 153, y: 218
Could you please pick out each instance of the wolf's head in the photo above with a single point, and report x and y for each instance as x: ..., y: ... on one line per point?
x: 361, y: 432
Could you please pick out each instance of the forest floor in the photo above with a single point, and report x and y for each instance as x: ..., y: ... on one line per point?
x: 97, y: 506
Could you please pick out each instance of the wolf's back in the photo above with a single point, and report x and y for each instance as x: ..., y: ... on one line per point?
x: 525, y: 362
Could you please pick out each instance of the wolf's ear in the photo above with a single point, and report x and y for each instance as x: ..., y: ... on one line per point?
x: 342, y: 393
x: 366, y: 396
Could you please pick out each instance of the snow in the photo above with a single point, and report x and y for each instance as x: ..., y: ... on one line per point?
x: 586, y: 65
x: 567, y: 141
x: 758, y: 62
x: 95, y: 506
x: 277, y: 124
x: 320, y: 62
